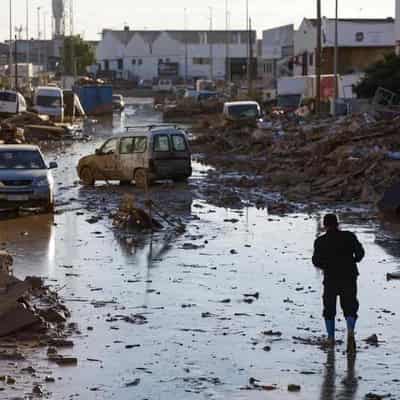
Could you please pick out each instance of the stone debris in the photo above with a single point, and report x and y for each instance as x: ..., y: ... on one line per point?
x: 336, y: 160
x: 131, y: 216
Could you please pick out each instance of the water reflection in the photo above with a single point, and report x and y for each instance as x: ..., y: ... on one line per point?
x: 349, y: 385
x: 30, y: 238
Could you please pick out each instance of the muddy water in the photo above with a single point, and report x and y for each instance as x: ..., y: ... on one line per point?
x: 201, y: 340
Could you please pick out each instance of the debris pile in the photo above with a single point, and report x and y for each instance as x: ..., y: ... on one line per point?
x: 30, y: 127
x: 28, y: 307
x: 131, y: 216
x: 348, y: 159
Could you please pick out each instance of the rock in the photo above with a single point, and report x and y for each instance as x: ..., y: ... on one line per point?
x: 133, y: 383
x: 372, y: 340
x: 294, y: 388
x: 53, y: 316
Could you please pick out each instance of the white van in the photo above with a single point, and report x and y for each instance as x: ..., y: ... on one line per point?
x: 11, y: 103
x: 49, y: 101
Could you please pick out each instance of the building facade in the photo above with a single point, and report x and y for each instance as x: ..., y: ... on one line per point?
x: 277, y: 54
x: 148, y: 55
x: 361, y: 43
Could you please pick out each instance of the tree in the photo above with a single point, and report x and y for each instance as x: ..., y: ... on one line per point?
x: 76, y: 55
x: 384, y: 73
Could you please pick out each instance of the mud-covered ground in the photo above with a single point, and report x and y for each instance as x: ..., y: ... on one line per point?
x: 176, y: 316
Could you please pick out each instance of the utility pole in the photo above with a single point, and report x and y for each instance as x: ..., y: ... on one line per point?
x: 209, y: 38
x: 10, y: 44
x: 318, y: 60
x: 249, y: 63
x: 186, y: 47
x: 336, y: 59
x: 38, y: 33
x: 227, y: 43
x: 28, y: 44
x: 16, y: 63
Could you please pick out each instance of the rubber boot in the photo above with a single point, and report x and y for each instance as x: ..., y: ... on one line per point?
x: 351, y: 340
x: 330, y: 329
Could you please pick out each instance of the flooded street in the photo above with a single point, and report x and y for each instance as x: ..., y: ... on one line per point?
x: 176, y: 316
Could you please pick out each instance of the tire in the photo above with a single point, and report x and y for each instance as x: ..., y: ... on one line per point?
x: 86, y: 176
x: 180, y: 179
x: 142, y: 178
x: 124, y: 183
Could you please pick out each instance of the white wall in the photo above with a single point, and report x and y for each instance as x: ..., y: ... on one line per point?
x: 359, y: 34
x: 164, y: 47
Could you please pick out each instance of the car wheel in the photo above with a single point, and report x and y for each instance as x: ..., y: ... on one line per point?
x: 86, y: 176
x: 142, y: 178
x: 180, y: 179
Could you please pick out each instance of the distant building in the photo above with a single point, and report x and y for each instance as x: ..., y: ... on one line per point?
x: 4, y: 53
x: 361, y: 43
x: 131, y: 54
x: 276, y: 54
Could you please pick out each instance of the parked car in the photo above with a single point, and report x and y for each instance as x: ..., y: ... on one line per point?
x: 118, y: 102
x: 142, y: 156
x: 145, y: 84
x: 11, y: 103
x: 25, y: 178
x: 164, y: 85
x: 242, y: 111
x: 49, y: 100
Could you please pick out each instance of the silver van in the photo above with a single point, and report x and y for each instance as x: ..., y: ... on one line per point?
x: 141, y: 156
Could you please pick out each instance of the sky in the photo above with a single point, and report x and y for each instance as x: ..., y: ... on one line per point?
x: 91, y: 16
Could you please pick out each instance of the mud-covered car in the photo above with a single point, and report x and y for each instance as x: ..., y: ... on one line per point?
x: 141, y: 155
x: 25, y: 178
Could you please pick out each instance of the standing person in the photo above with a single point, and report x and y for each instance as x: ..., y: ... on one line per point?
x: 337, y: 253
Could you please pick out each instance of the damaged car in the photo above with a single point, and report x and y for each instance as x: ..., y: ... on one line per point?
x: 143, y: 156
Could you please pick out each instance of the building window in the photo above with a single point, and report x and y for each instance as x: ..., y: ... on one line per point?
x: 140, y: 61
x: 160, y: 61
x: 311, y: 59
x: 106, y: 65
x: 201, y: 61
x: 134, y: 61
x: 203, y: 37
x: 120, y: 62
x: 268, y: 68
x: 234, y: 37
x: 167, y: 60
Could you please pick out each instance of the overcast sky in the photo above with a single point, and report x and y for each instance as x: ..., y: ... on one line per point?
x: 91, y: 16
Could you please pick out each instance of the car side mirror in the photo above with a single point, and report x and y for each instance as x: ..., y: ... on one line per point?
x: 53, y: 165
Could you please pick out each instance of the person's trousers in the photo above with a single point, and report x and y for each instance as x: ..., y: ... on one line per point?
x: 347, y: 292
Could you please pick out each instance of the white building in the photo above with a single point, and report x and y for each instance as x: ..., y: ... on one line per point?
x: 397, y: 27
x: 361, y: 43
x: 185, y: 54
x: 277, y: 54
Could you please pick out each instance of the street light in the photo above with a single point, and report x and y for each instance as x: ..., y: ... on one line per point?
x: 10, y: 44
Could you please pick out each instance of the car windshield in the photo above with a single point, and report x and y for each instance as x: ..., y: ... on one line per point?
x: 244, y: 111
x: 289, y: 100
x: 17, y: 159
x: 48, y: 101
x: 7, y: 96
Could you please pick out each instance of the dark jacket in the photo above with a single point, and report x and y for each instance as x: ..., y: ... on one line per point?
x: 337, y: 254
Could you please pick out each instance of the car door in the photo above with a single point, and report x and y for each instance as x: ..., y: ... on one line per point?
x: 108, y: 160
x: 132, y: 155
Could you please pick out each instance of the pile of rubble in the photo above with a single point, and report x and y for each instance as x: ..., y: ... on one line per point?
x: 29, y: 127
x: 131, y: 216
x: 29, y: 309
x: 337, y: 160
